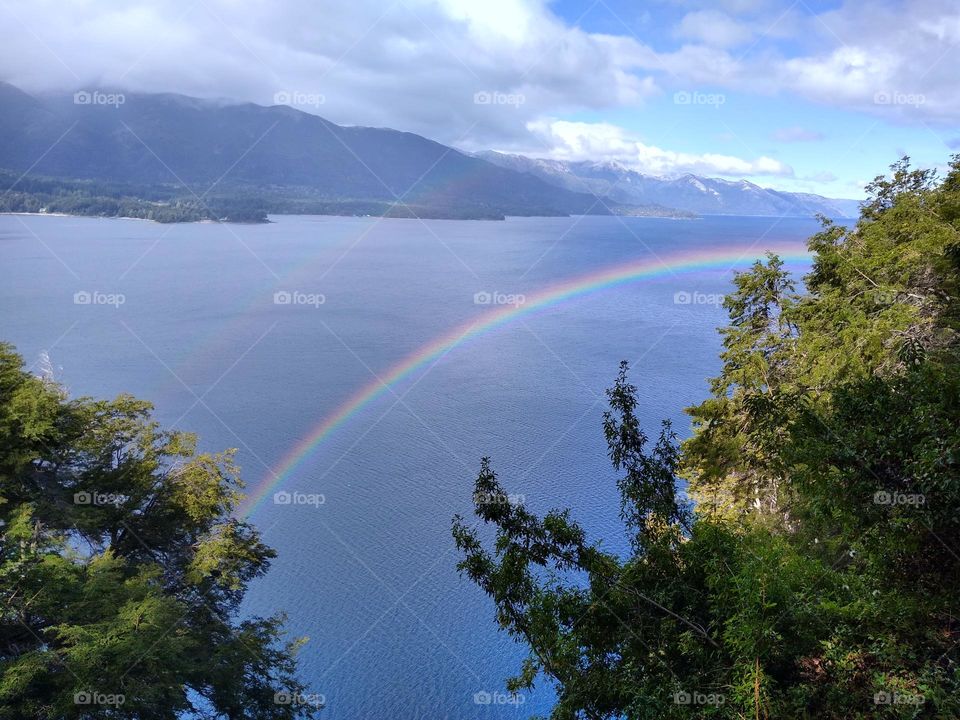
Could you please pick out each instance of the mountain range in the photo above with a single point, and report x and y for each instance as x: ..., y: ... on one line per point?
x: 616, y: 184
x: 292, y: 161
x: 218, y: 147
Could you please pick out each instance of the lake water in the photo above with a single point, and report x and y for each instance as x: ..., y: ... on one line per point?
x: 369, y: 575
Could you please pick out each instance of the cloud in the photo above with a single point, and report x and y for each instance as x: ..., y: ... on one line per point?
x: 419, y: 65
x: 713, y: 28
x: 897, y: 62
x: 604, y: 141
x: 415, y: 65
x: 796, y: 134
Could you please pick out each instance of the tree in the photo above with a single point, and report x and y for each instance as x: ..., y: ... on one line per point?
x: 817, y: 572
x: 122, y: 568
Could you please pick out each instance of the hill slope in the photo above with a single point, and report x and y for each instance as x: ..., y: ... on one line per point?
x: 177, y: 140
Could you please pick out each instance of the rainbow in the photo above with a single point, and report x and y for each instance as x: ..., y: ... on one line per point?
x: 724, y: 260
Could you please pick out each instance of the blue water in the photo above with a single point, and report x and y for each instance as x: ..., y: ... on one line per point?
x: 370, y: 574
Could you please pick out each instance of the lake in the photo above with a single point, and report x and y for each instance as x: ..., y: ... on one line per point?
x: 362, y: 367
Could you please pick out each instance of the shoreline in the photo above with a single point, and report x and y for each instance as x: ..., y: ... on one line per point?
x: 383, y: 217
x: 129, y: 217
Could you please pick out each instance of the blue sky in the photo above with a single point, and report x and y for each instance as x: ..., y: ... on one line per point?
x: 792, y: 94
x: 831, y: 149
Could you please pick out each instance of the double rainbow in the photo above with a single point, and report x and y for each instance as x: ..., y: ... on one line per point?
x: 724, y: 260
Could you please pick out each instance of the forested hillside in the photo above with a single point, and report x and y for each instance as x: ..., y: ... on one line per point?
x: 207, y: 150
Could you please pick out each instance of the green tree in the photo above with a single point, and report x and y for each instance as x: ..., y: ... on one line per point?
x: 122, y: 568
x: 816, y: 573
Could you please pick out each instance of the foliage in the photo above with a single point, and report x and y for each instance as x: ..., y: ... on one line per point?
x: 164, y: 204
x: 122, y: 568
x: 816, y: 572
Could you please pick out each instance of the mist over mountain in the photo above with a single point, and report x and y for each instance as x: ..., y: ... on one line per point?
x: 702, y: 195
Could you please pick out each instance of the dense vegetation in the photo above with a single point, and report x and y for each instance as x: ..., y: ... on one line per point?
x: 165, y: 204
x: 233, y: 203
x: 815, y: 573
x: 171, y: 204
x: 122, y: 568
x: 242, y: 204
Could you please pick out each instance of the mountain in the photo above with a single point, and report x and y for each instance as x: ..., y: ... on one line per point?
x: 296, y: 160
x: 705, y: 196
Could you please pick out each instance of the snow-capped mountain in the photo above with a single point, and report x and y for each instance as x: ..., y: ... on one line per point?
x: 612, y: 182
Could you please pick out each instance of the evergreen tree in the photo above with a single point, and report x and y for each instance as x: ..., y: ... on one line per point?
x: 122, y: 568
x: 816, y: 573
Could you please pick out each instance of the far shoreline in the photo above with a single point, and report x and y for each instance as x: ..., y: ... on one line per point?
x: 268, y: 221
x: 204, y: 221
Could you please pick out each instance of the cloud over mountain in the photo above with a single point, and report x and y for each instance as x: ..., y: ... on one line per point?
x: 497, y: 73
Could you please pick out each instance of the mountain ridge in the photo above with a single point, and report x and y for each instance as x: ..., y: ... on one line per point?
x: 277, y: 151
x: 689, y: 192
x: 285, y: 160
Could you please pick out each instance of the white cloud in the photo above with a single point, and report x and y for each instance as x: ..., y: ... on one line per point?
x: 415, y: 65
x: 714, y: 28
x: 603, y: 141
x: 896, y: 62
x: 514, y: 21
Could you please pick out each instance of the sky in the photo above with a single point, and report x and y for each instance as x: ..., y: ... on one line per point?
x: 802, y: 96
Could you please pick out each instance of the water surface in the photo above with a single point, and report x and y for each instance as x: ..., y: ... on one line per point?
x: 370, y: 575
